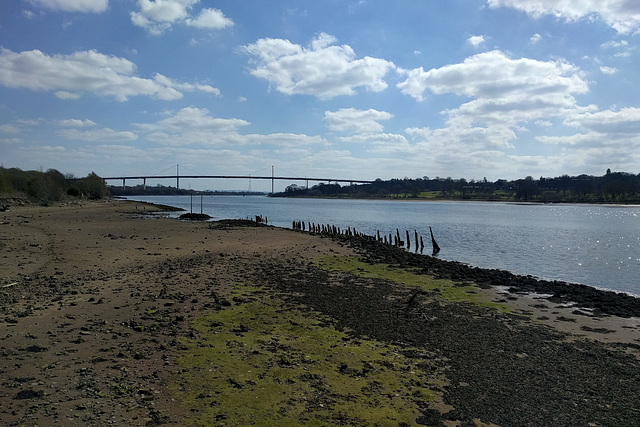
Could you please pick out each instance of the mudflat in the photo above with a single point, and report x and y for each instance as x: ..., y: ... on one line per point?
x: 111, y: 314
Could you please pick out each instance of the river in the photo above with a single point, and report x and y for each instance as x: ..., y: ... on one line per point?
x: 593, y: 245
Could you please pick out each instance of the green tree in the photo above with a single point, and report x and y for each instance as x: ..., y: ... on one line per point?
x: 93, y: 187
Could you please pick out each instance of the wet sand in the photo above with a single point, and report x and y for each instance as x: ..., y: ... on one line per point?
x: 99, y: 307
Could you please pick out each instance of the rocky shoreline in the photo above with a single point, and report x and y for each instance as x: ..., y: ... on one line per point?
x: 107, y: 318
x: 602, y: 302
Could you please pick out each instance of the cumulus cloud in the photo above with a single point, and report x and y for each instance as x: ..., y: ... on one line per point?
x: 358, y: 121
x: 194, y: 126
x: 81, y: 6
x: 504, y: 90
x: 501, y: 95
x: 608, y: 139
x: 622, y: 15
x: 608, y: 70
x: 69, y: 76
x: 210, y: 18
x: 322, y: 69
x: 475, y: 41
x: 624, y: 122
x: 160, y: 15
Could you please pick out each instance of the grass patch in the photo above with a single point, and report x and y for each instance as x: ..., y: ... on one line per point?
x: 445, y: 289
x: 267, y: 362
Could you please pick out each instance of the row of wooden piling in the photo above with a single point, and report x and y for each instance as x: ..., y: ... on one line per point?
x: 390, y: 239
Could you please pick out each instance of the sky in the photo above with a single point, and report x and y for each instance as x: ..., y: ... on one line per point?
x: 349, y: 89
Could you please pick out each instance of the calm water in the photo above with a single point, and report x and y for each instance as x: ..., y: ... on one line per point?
x: 594, y: 245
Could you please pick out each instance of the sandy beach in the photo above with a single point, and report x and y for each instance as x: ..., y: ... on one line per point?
x: 111, y: 314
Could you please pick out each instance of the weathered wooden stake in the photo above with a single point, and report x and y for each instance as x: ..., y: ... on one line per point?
x: 436, y: 248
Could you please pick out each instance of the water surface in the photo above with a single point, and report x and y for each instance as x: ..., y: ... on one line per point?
x: 593, y: 245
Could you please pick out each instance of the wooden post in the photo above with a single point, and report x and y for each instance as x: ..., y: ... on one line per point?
x: 436, y: 248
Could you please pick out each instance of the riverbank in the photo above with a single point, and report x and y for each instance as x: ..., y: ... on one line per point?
x: 109, y: 317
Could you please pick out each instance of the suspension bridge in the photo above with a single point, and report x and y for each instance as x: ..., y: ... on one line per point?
x: 271, y: 177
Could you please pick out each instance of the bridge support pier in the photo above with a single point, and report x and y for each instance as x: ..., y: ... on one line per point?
x: 124, y: 186
x: 144, y: 183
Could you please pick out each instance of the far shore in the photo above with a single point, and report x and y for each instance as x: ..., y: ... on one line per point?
x: 406, y: 199
x: 108, y: 317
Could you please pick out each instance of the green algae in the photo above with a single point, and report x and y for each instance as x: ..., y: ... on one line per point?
x: 267, y: 362
x: 445, y: 289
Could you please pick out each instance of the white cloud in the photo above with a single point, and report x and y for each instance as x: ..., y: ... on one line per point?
x: 475, y: 41
x: 493, y: 74
x: 535, y: 39
x: 63, y: 94
x: 77, y: 123
x: 608, y: 70
x: 194, y: 126
x: 501, y: 95
x: 82, y: 6
x: 621, y: 49
x: 97, y: 135
x: 160, y: 15
x: 322, y: 70
x: 69, y: 76
x: 9, y: 129
x: 286, y: 141
x: 615, y: 44
x: 622, y: 15
x: 614, y: 124
x: 210, y: 18
x: 464, y: 138
x: 358, y: 121
x: 504, y: 90
x: 381, y: 142
x: 610, y: 139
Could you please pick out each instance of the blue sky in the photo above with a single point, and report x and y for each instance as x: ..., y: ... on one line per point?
x: 339, y: 89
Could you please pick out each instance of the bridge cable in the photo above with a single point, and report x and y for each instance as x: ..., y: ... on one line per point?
x: 163, y: 171
x: 290, y: 173
x: 196, y: 172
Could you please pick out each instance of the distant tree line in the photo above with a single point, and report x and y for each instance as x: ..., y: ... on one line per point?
x: 50, y: 186
x: 613, y: 187
x: 161, y: 190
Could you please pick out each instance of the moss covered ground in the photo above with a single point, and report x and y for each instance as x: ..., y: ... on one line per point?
x: 443, y: 289
x: 265, y: 362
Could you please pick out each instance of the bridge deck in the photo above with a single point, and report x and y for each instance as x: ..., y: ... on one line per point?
x: 285, y: 178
